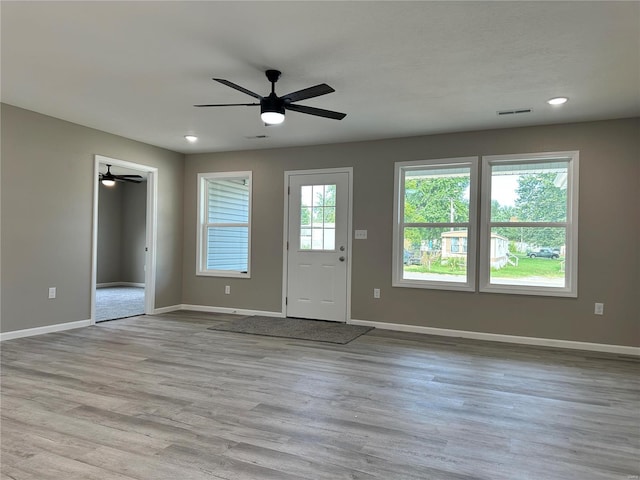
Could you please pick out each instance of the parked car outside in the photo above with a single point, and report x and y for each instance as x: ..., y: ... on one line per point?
x: 543, y: 253
x: 411, y: 258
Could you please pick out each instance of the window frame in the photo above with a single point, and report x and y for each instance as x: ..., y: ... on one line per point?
x: 570, y: 224
x: 203, y: 225
x: 398, y: 224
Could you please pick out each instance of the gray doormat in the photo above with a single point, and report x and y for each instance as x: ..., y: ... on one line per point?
x: 301, y: 329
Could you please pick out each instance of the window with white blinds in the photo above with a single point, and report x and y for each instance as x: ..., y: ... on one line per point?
x: 224, y: 227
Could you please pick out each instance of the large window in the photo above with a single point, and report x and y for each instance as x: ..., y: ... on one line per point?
x: 224, y: 224
x: 529, y: 230
x: 435, y: 224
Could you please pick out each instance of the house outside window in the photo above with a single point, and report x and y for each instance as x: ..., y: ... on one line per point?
x: 224, y: 224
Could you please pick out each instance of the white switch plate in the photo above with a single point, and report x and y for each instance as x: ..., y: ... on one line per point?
x: 227, y: 289
x: 52, y: 292
x: 599, y: 309
x: 361, y: 235
x: 376, y: 293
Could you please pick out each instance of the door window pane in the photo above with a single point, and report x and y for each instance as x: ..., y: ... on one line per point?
x: 317, y: 217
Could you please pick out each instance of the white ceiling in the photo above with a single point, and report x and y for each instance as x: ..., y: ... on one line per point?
x: 399, y: 68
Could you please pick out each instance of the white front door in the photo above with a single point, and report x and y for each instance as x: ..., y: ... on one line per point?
x: 317, y: 255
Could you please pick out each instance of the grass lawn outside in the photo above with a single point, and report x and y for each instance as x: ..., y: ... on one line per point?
x: 527, y: 268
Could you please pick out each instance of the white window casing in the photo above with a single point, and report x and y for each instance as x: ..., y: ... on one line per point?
x: 467, y: 228
x: 535, y: 201
x: 565, y: 166
x: 224, y: 224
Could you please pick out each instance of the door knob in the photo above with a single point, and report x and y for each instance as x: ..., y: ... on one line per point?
x: 341, y: 259
x: 342, y: 248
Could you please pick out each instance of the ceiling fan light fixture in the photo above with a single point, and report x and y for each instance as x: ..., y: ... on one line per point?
x: 272, y: 110
x: 191, y: 138
x: 272, y: 118
x: 108, y: 182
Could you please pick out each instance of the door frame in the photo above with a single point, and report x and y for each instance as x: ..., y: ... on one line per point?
x: 150, y: 234
x: 285, y: 235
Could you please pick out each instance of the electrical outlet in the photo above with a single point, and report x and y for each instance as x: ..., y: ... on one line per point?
x: 52, y: 292
x: 227, y: 289
x: 376, y: 293
x: 599, y: 309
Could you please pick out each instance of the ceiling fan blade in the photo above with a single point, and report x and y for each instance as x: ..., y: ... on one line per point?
x: 310, y: 92
x: 237, y: 87
x: 123, y: 178
x: 128, y: 176
x: 319, y: 112
x: 228, y: 105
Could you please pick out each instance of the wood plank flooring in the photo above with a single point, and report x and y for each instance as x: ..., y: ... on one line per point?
x: 161, y: 397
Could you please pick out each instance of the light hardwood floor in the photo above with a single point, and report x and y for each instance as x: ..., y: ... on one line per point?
x: 161, y: 397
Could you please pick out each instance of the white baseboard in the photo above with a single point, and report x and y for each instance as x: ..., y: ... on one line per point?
x: 496, y: 337
x: 170, y: 308
x: 234, y: 311
x: 29, y: 332
x: 119, y: 284
x: 445, y: 332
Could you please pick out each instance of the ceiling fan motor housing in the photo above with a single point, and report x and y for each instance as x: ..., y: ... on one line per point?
x: 272, y: 104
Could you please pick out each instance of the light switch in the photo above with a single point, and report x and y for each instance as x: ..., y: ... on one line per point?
x: 361, y: 235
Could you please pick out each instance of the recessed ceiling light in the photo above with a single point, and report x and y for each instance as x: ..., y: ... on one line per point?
x: 557, y: 100
x: 191, y: 138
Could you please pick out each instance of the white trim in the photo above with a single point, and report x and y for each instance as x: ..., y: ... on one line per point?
x: 285, y: 239
x: 495, y: 337
x: 170, y: 308
x: 201, y: 269
x: 230, y: 310
x: 151, y: 240
x: 398, y: 327
x: 151, y: 233
x: 397, y: 275
x: 119, y: 284
x: 571, y: 228
x: 29, y: 332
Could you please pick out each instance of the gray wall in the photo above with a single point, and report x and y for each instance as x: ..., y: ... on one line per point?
x: 133, y: 240
x: 48, y: 242
x: 109, y: 234
x: 609, y: 233
x: 122, y: 233
x: 47, y: 207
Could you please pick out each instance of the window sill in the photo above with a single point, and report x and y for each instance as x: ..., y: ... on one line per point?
x: 223, y: 274
x: 452, y: 286
x: 533, y: 290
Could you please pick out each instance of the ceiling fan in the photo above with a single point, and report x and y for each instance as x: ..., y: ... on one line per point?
x: 109, y: 179
x: 272, y: 107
